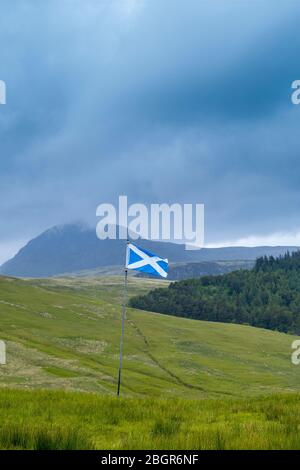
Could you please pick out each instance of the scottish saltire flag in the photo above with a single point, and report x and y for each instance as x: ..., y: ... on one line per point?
x: 142, y: 260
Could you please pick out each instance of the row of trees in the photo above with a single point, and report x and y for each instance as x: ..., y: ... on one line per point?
x: 267, y: 296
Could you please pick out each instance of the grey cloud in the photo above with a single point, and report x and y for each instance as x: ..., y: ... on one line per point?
x: 176, y: 101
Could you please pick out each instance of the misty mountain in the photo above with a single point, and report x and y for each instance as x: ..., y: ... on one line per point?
x: 74, y: 247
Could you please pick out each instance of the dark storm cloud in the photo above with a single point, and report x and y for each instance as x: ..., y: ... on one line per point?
x: 163, y: 101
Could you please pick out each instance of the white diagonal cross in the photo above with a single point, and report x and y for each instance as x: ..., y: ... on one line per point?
x: 146, y: 259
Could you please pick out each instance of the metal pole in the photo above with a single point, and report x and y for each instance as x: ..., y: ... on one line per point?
x: 123, y: 330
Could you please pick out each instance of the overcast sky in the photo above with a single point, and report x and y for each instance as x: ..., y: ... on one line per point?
x: 162, y: 100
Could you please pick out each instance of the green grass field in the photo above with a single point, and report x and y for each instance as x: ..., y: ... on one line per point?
x: 68, y: 420
x: 186, y: 384
x: 65, y: 334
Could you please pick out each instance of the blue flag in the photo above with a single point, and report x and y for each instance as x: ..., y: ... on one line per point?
x: 141, y: 260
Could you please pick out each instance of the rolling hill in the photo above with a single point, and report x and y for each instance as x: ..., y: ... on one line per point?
x: 186, y: 384
x: 64, y: 334
x: 182, y: 271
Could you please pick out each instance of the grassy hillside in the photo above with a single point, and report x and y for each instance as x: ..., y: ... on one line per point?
x: 65, y: 333
x: 58, y: 420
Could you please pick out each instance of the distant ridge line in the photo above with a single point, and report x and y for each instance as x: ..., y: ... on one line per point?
x: 74, y: 247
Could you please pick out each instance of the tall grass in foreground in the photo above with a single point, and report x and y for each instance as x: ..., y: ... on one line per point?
x: 64, y: 420
x: 42, y: 437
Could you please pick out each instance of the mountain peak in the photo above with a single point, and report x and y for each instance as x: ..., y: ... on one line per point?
x: 63, y: 228
x: 74, y: 247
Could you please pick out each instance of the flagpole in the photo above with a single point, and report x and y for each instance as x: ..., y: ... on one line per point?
x: 123, y: 324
